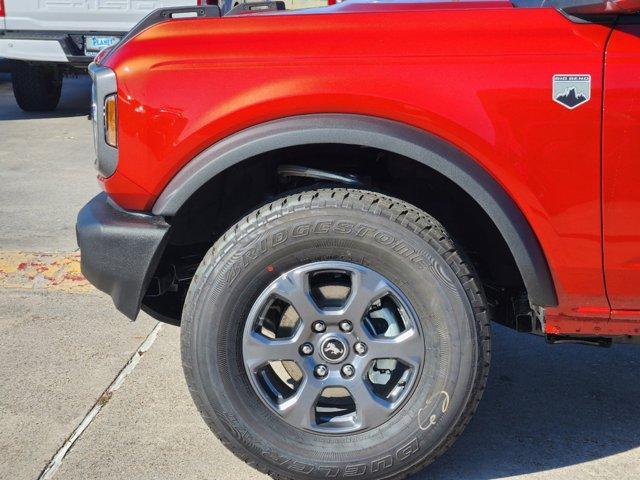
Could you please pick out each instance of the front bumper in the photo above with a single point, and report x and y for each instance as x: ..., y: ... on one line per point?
x: 120, y: 251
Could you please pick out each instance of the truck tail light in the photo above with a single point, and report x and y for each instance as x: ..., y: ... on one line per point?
x: 111, y: 120
x: 1, y: 8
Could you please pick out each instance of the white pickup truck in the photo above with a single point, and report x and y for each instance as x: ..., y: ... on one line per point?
x: 47, y: 39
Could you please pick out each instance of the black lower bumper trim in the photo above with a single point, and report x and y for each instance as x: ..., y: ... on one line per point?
x: 120, y: 251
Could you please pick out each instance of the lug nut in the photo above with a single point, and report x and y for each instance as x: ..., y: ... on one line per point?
x: 360, y: 348
x: 306, y: 349
x: 318, y: 326
x: 346, y: 326
x: 347, y: 371
x: 320, y: 371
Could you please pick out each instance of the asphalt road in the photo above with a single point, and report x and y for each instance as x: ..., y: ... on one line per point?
x: 549, y: 412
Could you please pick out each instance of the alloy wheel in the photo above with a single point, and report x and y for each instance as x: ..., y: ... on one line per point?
x: 332, y: 347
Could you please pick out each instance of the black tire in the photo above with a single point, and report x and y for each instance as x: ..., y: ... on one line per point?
x: 36, y: 88
x: 387, y: 235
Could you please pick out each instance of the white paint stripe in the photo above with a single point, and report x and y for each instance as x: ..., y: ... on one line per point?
x: 53, y: 466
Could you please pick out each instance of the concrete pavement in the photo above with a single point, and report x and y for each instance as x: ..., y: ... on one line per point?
x: 46, y: 169
x: 58, y: 353
x: 559, y: 412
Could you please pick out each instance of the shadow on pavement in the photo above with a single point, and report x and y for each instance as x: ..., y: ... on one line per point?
x: 75, y: 100
x: 547, y: 407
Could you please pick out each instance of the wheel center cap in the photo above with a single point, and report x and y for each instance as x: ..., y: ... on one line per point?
x: 333, y: 350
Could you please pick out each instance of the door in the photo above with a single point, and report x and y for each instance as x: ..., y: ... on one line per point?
x: 81, y: 15
x: 621, y: 166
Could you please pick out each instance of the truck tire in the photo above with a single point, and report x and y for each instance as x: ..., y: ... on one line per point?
x: 36, y: 87
x: 336, y: 333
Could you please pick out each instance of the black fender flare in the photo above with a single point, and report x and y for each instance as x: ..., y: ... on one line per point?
x: 384, y: 134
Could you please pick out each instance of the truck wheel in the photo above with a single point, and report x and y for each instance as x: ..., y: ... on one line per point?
x: 336, y: 333
x: 36, y: 87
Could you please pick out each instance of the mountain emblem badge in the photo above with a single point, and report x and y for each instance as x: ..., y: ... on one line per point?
x: 571, y: 91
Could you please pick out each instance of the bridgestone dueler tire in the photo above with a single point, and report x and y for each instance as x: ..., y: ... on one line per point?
x: 395, y: 239
x: 36, y: 88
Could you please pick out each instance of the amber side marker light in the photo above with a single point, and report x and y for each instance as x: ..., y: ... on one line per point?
x: 111, y: 120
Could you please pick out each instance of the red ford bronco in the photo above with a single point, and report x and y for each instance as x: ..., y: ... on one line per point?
x: 335, y: 203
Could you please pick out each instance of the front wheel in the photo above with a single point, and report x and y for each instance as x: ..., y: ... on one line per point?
x: 336, y: 333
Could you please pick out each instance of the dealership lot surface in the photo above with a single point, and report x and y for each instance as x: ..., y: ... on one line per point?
x: 549, y: 412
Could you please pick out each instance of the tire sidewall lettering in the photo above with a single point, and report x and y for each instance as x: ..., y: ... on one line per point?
x: 272, y: 240
x: 378, y: 465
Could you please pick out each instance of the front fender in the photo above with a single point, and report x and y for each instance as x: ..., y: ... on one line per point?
x: 386, y: 135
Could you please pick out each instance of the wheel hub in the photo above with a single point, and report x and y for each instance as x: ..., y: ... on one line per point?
x: 334, y: 350
x: 321, y: 372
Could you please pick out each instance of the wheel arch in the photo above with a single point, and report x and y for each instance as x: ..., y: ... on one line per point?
x: 383, y: 134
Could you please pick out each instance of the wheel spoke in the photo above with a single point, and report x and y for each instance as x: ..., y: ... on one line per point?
x: 300, y: 409
x: 407, y: 347
x: 293, y: 287
x: 366, y: 287
x: 259, y: 350
x: 370, y: 409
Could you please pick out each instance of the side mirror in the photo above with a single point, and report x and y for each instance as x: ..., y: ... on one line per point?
x: 605, y: 7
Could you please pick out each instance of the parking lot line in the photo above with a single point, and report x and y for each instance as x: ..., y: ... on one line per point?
x: 54, y: 464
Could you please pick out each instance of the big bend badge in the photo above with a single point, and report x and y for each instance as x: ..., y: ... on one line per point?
x: 571, y: 91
